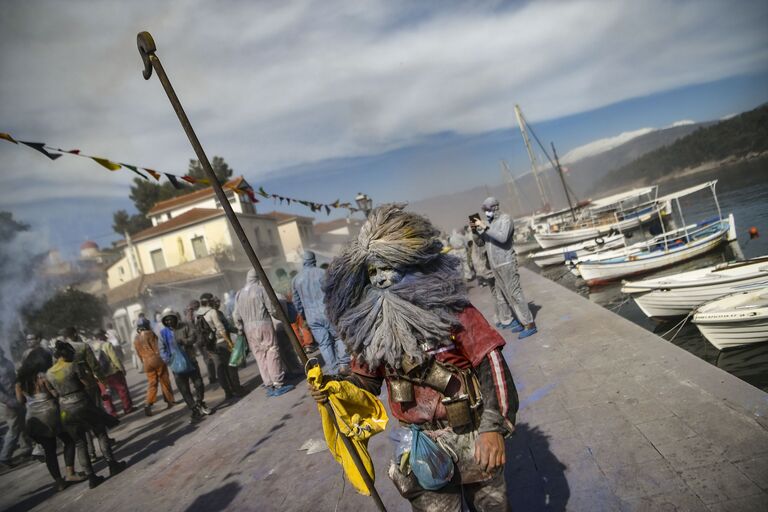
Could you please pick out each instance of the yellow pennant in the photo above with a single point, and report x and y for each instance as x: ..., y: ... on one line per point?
x: 109, y: 164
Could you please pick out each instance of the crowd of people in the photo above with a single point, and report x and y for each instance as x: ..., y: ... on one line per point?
x: 63, y: 392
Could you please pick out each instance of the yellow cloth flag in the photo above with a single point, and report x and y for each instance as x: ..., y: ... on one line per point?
x: 359, y: 415
x: 109, y: 164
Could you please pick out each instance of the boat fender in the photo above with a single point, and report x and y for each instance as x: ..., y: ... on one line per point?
x: 599, y: 241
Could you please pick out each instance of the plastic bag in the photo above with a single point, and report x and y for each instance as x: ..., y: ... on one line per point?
x: 432, y: 466
x: 180, y: 363
x: 238, y: 352
x: 402, y: 437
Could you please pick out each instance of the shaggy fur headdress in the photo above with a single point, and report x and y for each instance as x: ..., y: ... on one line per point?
x: 410, y: 317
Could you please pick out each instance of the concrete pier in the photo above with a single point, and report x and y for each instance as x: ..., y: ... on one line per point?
x: 613, y: 418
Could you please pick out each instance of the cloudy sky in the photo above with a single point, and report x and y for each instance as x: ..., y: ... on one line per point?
x: 403, y: 100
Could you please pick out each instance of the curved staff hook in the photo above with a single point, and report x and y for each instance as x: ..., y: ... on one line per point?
x: 147, y: 50
x: 151, y: 61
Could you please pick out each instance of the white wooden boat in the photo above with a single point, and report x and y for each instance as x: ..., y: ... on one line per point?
x: 558, y: 255
x: 655, y: 255
x: 667, y: 249
x: 616, y: 213
x: 679, y: 294
x: 627, y: 222
x: 735, y: 320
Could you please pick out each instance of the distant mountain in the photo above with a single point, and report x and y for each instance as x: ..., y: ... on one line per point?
x: 586, y: 173
x: 738, y: 137
x: 451, y: 210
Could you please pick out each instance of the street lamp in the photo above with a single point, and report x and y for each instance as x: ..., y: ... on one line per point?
x: 364, y: 203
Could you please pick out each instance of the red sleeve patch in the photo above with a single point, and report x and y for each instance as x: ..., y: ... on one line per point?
x: 476, y: 338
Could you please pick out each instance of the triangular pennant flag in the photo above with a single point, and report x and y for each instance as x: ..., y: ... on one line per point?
x: 335, y: 204
x: 73, y: 151
x: 173, y: 181
x: 327, y: 210
x: 189, y: 179
x: 154, y: 174
x: 289, y: 200
x: 134, y: 169
x: 203, y: 181
x: 39, y: 146
x: 7, y: 136
x: 263, y: 192
x: 112, y: 166
x: 282, y: 199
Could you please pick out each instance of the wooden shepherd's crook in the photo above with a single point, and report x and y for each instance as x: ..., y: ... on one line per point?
x: 147, y: 50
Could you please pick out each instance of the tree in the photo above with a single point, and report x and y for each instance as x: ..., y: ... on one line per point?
x: 145, y: 194
x: 66, y: 308
x: 220, y: 168
x: 123, y: 222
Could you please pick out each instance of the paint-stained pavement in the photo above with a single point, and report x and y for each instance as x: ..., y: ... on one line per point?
x: 612, y: 418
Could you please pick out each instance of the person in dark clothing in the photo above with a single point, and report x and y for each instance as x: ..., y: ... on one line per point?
x: 79, y: 413
x: 190, y: 315
x: 177, y: 340
x: 43, y: 424
x: 213, y: 330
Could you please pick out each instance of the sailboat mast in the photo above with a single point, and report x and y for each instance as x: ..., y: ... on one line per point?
x: 562, y: 180
x: 512, y: 186
x: 531, y: 156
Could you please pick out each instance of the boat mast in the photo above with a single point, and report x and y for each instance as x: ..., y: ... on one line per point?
x: 562, y: 180
x: 511, y: 186
x: 534, y: 164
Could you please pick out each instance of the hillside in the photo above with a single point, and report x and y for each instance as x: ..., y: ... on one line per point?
x: 734, y: 138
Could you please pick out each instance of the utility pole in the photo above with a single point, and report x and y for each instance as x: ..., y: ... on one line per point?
x: 532, y: 156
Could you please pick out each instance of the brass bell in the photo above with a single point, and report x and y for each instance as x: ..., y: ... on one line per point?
x: 438, y: 377
x: 401, y: 390
x: 458, y: 411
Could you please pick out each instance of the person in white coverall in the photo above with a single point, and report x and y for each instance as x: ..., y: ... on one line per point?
x: 498, y: 234
x: 253, y: 315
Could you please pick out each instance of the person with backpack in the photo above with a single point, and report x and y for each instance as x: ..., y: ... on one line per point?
x: 214, y: 333
x: 177, y: 339
x: 113, y: 371
x: 154, y: 367
x: 190, y: 317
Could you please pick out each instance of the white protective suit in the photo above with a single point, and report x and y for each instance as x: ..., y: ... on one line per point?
x: 498, y: 238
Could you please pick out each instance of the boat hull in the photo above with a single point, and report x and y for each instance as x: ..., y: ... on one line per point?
x: 680, y: 302
x: 727, y: 335
x: 550, y: 240
x: 600, y: 272
x: 558, y: 255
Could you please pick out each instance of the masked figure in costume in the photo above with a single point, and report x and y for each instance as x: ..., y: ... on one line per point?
x: 401, y: 307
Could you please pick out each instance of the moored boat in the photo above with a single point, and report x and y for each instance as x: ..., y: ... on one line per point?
x: 678, y: 294
x: 559, y: 255
x: 735, y: 320
x: 669, y: 248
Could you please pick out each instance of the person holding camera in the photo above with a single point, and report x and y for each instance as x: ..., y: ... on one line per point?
x: 497, y: 232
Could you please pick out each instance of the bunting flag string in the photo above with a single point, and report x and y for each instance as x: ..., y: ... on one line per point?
x: 53, y: 153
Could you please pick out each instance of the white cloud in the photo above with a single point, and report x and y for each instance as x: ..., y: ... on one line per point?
x: 271, y: 84
x: 602, y: 145
x: 729, y: 116
x: 684, y: 122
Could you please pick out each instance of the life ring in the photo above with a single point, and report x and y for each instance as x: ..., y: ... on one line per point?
x: 599, y: 240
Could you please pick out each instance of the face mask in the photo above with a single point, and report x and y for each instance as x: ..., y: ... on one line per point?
x: 383, y: 276
x: 489, y: 215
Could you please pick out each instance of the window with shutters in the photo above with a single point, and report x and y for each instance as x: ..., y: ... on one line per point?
x: 199, y: 248
x: 158, y: 261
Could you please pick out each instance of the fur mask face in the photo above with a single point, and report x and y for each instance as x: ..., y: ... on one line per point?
x: 383, y: 276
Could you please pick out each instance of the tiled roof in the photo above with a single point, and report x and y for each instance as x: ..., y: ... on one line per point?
x: 193, y: 216
x: 325, y: 227
x: 205, y: 268
x: 192, y: 197
x: 281, y: 217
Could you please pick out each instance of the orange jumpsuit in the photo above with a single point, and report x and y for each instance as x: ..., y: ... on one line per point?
x: 154, y: 367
